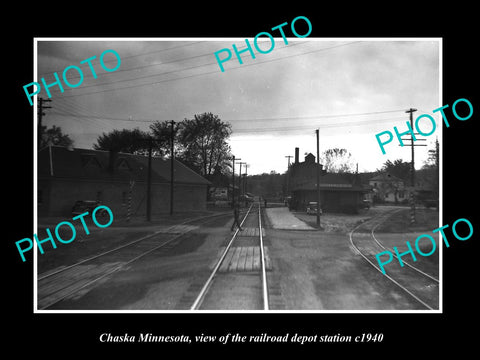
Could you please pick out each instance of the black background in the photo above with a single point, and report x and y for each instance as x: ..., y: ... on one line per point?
x: 76, y: 334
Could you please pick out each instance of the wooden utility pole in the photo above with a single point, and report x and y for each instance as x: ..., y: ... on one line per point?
x: 318, y: 178
x: 245, y: 178
x: 129, y: 205
x: 40, y: 113
x: 240, y: 180
x: 412, y: 172
x: 233, y: 180
x: 172, y: 161
x: 149, y: 180
x: 288, y: 157
x: 288, y: 174
x: 413, y: 216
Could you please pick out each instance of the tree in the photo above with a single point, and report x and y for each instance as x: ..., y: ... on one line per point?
x: 203, y: 143
x: 269, y: 185
x: 128, y: 141
x: 397, y: 168
x: 200, y: 143
x: 53, y: 136
x: 162, y: 134
x: 337, y: 161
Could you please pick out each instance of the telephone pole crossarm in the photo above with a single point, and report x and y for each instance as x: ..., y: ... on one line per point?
x: 40, y: 114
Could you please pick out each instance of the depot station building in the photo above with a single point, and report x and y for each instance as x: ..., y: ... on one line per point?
x: 341, y: 193
x: 117, y: 180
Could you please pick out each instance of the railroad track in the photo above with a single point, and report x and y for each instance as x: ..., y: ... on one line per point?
x: 418, y: 284
x: 239, y: 278
x: 73, y: 280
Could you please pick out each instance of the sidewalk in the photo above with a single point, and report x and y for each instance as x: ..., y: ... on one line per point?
x: 282, y: 218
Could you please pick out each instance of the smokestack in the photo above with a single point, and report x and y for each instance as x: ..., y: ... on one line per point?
x: 296, y: 155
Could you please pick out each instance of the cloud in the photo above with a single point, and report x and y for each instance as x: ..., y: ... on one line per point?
x: 304, y: 81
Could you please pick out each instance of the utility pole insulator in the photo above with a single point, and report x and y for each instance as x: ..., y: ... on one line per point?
x: 41, y: 107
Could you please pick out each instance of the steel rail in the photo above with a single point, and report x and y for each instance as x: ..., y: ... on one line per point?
x: 111, y: 271
x: 262, y: 258
x: 125, y: 245
x: 198, y: 301
x: 386, y: 275
x: 403, y: 261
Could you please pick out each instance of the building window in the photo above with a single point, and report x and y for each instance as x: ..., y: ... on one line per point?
x: 90, y: 161
x: 124, y: 197
x: 99, y: 195
x: 40, y: 197
x: 123, y: 165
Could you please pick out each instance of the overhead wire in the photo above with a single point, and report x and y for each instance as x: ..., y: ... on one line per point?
x: 133, y: 56
x: 80, y: 109
x: 310, y: 117
x: 64, y: 108
x: 99, y: 123
x: 320, y: 116
x: 204, y: 73
x: 302, y: 127
x: 83, y: 112
x: 98, y: 75
x: 236, y: 122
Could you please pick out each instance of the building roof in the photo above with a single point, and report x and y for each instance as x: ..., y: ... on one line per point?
x: 385, y: 177
x: 61, y: 162
x: 328, y: 181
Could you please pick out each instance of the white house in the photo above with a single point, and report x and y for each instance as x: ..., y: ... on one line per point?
x: 388, y: 188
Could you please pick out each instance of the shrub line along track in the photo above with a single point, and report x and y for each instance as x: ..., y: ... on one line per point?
x: 44, y: 279
x: 207, y: 285
x: 370, y: 258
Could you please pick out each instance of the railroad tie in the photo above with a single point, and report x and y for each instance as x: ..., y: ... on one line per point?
x: 244, y: 259
x: 252, y: 232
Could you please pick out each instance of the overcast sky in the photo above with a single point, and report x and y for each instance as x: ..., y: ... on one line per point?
x: 350, y: 89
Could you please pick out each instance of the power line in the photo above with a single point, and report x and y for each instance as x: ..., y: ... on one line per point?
x: 320, y: 116
x: 104, y: 117
x: 80, y: 109
x: 133, y: 56
x: 153, y: 65
x: 159, y: 74
x: 205, y: 73
x: 160, y: 64
x: 265, y: 119
x: 250, y: 129
x: 69, y: 106
x: 83, y: 113
x: 307, y: 126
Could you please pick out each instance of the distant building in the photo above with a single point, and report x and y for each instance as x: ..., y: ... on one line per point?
x: 338, y: 192
x: 217, y: 193
x: 118, y: 180
x: 388, y: 188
